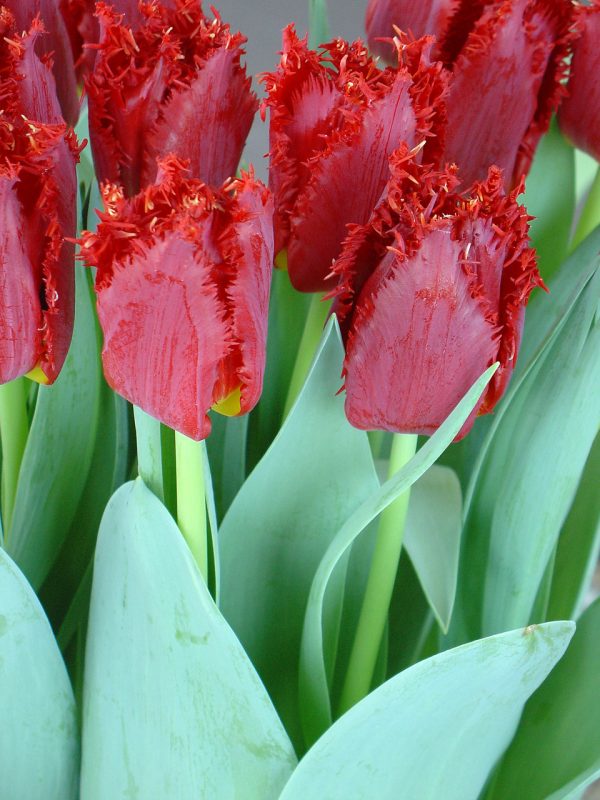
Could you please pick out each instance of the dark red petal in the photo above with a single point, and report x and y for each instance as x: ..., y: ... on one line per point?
x: 505, y: 85
x: 207, y: 122
x: 164, y: 334
x: 579, y: 114
x: 248, y: 246
x: 420, y: 17
x: 54, y: 43
x: 20, y: 312
x: 419, y: 345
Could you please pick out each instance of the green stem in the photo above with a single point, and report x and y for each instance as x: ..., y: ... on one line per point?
x: 380, y: 584
x: 191, y: 498
x: 149, y: 451
x: 14, y: 428
x: 590, y: 216
x: 318, y: 24
x: 311, y: 336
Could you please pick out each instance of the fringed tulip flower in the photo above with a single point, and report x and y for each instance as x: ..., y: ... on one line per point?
x: 335, y: 120
x: 183, y: 288
x: 508, y: 60
x: 38, y: 186
x: 432, y: 292
x: 174, y: 84
x: 53, y: 44
x: 579, y: 114
x: 420, y: 17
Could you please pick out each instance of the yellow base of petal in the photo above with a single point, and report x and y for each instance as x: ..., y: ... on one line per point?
x: 281, y: 260
x: 231, y: 405
x: 38, y: 375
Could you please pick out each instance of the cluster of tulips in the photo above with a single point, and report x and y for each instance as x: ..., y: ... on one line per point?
x: 395, y: 171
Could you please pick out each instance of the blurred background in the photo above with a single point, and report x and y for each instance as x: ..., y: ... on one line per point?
x: 262, y: 21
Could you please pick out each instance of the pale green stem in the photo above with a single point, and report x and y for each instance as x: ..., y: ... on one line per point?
x: 311, y: 336
x: 14, y: 428
x: 191, y: 498
x: 380, y: 584
x: 590, y: 216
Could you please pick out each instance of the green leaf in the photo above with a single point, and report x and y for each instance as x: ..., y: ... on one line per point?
x: 226, y: 447
x: 432, y: 537
x: 39, y: 747
x: 437, y: 729
x: 531, y: 461
x: 579, y: 544
x: 316, y: 708
x: 172, y: 705
x: 316, y: 473
x: 550, y: 198
x: 560, y: 728
x: 59, y: 449
x: 317, y: 22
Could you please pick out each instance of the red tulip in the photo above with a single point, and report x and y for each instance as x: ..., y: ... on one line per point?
x: 335, y: 120
x: 37, y: 187
x: 508, y: 62
x: 183, y: 290
x: 53, y: 44
x: 432, y: 292
x: 420, y: 17
x: 175, y: 84
x: 579, y: 114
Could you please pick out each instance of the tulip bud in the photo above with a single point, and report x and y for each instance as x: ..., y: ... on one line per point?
x: 183, y: 291
x: 579, y: 114
x: 175, y: 84
x: 432, y: 292
x: 335, y: 120
x: 38, y: 188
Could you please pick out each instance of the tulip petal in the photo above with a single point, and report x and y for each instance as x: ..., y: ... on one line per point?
x: 164, y: 334
x: 20, y: 340
x: 420, y: 343
x: 505, y: 86
x: 418, y: 17
x: 207, y: 122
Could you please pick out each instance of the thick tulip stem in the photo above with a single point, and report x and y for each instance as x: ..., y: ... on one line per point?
x: 14, y: 428
x: 590, y: 216
x: 191, y: 498
x: 380, y: 584
x: 311, y: 336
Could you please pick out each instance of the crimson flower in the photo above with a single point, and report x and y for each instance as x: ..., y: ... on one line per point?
x: 52, y: 44
x: 420, y: 17
x: 432, y: 292
x: 579, y: 114
x: 183, y: 289
x: 37, y: 187
x: 508, y: 64
x: 174, y: 84
x: 335, y: 120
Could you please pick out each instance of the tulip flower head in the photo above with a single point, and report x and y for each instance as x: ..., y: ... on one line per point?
x: 579, y: 114
x: 508, y: 60
x: 183, y: 290
x: 52, y: 45
x: 420, y: 17
x: 335, y: 120
x: 432, y: 292
x: 38, y: 185
x: 174, y: 84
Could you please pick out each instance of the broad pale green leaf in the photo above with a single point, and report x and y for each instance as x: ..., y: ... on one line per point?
x: 172, y: 706
x: 316, y: 473
x: 531, y: 460
x: 550, y: 198
x: 579, y: 544
x: 437, y: 729
x: 559, y: 732
x: 39, y: 746
x: 59, y: 449
x: 432, y: 537
x: 316, y: 708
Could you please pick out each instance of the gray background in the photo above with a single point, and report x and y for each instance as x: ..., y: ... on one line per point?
x: 262, y: 21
